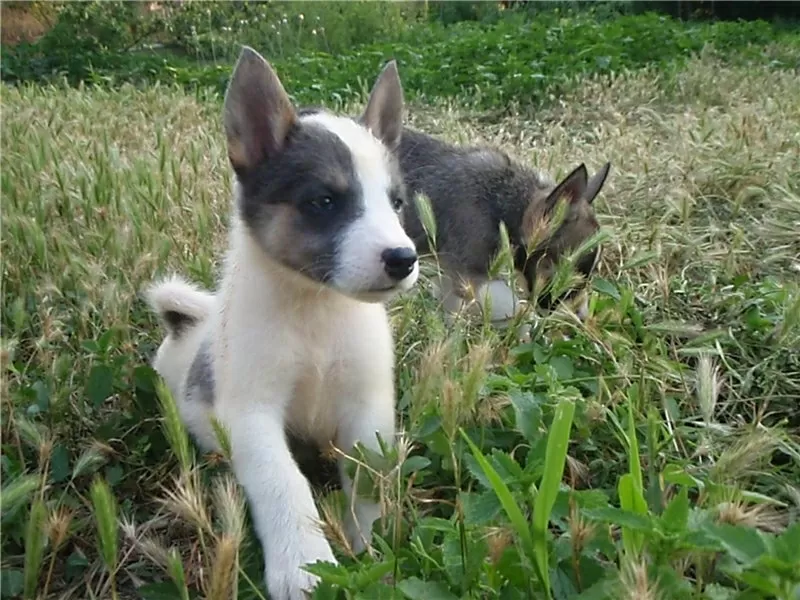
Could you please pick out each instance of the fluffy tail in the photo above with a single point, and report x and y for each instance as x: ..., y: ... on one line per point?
x: 179, y: 304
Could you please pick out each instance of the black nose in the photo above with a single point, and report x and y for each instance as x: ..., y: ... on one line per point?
x: 399, y: 262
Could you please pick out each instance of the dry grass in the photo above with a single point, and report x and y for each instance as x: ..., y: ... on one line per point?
x: 103, y: 190
x: 24, y: 22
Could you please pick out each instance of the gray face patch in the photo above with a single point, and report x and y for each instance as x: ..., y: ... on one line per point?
x: 200, y: 378
x: 299, y: 202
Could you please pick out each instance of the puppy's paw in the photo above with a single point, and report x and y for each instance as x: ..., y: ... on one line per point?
x: 359, y: 531
x: 502, y: 299
x: 287, y: 580
x: 291, y: 586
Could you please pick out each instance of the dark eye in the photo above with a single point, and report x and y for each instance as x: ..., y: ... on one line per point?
x: 397, y: 202
x: 322, y: 204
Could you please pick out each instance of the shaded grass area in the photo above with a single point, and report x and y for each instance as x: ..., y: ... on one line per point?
x: 689, y: 365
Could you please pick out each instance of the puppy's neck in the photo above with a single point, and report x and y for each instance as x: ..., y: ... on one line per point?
x: 255, y: 274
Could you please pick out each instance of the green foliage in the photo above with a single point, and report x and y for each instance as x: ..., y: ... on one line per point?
x: 215, y: 30
x: 324, y: 56
x: 643, y: 453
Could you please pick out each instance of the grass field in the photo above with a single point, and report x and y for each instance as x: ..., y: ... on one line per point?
x: 684, y: 382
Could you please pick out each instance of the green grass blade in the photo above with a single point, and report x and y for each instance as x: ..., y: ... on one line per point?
x: 555, y: 459
x: 632, y: 500
x: 16, y: 493
x: 176, y: 572
x: 34, y: 547
x: 223, y: 436
x: 105, y: 513
x: 427, y: 218
x: 631, y: 485
x: 634, y: 462
x: 174, y: 430
x: 510, y: 507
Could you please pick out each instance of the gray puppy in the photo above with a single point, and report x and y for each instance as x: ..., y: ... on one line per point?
x: 471, y: 191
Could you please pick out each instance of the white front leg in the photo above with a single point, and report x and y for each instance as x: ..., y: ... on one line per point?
x: 281, y: 504
x: 361, y: 419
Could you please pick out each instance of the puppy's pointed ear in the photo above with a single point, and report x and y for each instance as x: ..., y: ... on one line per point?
x: 257, y: 113
x: 572, y: 187
x: 596, y: 183
x: 384, y: 112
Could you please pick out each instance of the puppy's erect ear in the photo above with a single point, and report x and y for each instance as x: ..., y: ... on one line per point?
x: 257, y: 113
x: 572, y: 187
x: 384, y: 112
x: 596, y: 183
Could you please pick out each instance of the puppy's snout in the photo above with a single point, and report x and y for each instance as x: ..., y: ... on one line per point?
x: 399, y: 262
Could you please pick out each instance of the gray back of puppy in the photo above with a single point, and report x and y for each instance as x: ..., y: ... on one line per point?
x: 473, y: 189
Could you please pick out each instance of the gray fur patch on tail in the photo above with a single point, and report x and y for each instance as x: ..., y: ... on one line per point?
x: 178, y: 322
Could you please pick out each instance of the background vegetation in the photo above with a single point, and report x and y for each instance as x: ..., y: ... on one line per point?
x: 651, y: 452
x: 328, y: 51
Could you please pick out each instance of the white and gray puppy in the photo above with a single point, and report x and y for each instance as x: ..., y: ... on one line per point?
x: 296, y: 342
x: 471, y: 191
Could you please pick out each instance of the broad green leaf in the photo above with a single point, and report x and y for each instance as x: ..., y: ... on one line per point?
x: 42, y: 395
x: 744, y: 544
x: 602, y: 590
x: 374, y: 591
x: 676, y: 515
x: 452, y: 558
x: 761, y: 583
x: 336, y: 574
x: 100, y: 384
x: 436, y: 523
x: 415, y: 463
x: 677, y: 474
x: 787, y: 544
x: 474, y: 468
x: 632, y: 500
x: 562, y: 365
x: 162, y: 590
x: 12, y: 583
x: 623, y: 518
x: 479, y: 508
x: 605, y: 287
x: 416, y: 589
x: 528, y: 414
x: 715, y: 591
x: 59, y: 464
x: 374, y: 573
x: 506, y: 466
